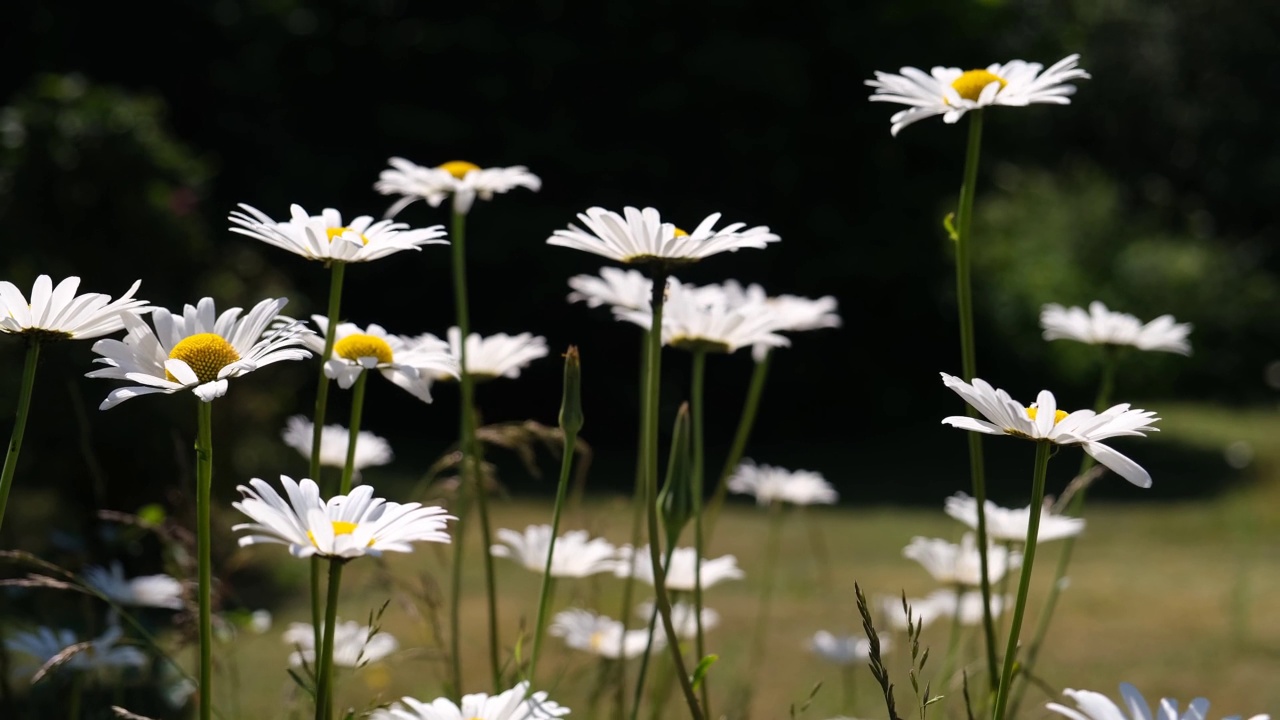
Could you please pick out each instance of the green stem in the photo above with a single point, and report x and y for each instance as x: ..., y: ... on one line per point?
x: 324, y: 661
x: 969, y: 363
x: 699, y: 468
x: 357, y: 411
x: 455, y: 588
x: 204, y: 486
x: 651, y: 484
x: 1043, y: 449
x: 544, y: 596
x: 746, y: 422
x: 637, y: 516
x: 643, y: 670
x: 19, y: 423
x: 336, y: 272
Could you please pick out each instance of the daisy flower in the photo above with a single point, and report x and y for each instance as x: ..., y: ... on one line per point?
x: 515, y: 704
x: 405, y: 361
x: 601, y: 635
x: 354, y: 644
x: 843, y: 650
x: 198, y: 350
x: 576, y: 554
x: 326, y: 238
x: 951, y: 92
x: 104, y: 652
x: 965, y: 606
x: 1044, y: 421
x: 1100, y: 326
x: 788, y: 313
x: 1009, y: 524
x: 952, y: 564
x: 371, y: 450
x: 463, y: 180
x: 702, y: 318
x: 347, y: 526
x: 640, y: 236
x: 683, y: 618
x: 627, y: 289
x: 495, y: 356
x: 770, y: 484
x: 58, y: 313
x: 1096, y: 706
x: 680, y: 569
x: 163, y: 591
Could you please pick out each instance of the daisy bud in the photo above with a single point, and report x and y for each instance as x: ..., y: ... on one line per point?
x: 675, y: 502
x: 571, y: 403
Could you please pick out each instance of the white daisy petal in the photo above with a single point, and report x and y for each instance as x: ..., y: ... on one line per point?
x: 325, y: 238
x: 463, y: 180
x: 57, y: 313
x: 640, y: 236
x: 1100, y: 326
x: 1096, y: 706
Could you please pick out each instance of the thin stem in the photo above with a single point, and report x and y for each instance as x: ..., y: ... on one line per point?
x: 651, y: 483
x: 204, y: 485
x: 969, y: 363
x: 643, y: 670
x: 357, y: 411
x: 1043, y: 448
x: 637, y: 516
x: 746, y: 422
x: 324, y: 661
x: 698, y: 383
x: 455, y: 588
x: 544, y: 596
x: 19, y: 423
x: 336, y: 272
x: 768, y: 571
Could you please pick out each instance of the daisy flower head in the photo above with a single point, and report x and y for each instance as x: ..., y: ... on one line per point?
x: 576, y: 553
x: 162, y: 591
x: 951, y: 92
x: 843, y: 650
x: 102, y: 653
x: 514, y: 704
x: 626, y: 289
x: 496, y: 356
x: 1096, y: 706
x: 463, y: 180
x: 371, y: 450
x: 683, y: 618
x: 680, y: 568
x: 790, y: 313
x: 769, y: 484
x: 354, y: 644
x: 1043, y: 421
x: 404, y: 361
x: 198, y: 350
x: 703, y: 318
x: 325, y: 237
x: 965, y: 607
x: 1010, y: 524
x: 640, y: 237
x: 601, y: 635
x: 1100, y: 326
x: 952, y: 564
x: 58, y: 313
x: 346, y: 526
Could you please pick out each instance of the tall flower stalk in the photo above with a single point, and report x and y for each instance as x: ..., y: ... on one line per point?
x: 637, y: 518
x: 204, y: 485
x: 746, y: 422
x: 357, y: 412
x: 19, y: 422
x: 324, y: 660
x: 699, y: 470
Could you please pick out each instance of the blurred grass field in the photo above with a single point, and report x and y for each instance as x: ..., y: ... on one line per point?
x: 1177, y: 598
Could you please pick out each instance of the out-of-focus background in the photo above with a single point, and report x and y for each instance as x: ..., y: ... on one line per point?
x: 126, y: 136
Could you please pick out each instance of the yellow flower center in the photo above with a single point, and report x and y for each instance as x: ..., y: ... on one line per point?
x: 597, y: 641
x: 680, y: 233
x: 1057, y: 415
x: 458, y: 168
x: 354, y: 347
x: 338, y: 232
x: 970, y: 83
x: 340, y: 527
x: 205, y: 353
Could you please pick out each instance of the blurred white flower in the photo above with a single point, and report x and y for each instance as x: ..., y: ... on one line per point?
x: 952, y: 564
x: 601, y: 635
x: 576, y: 555
x: 1044, y: 421
x: 57, y: 313
x: 354, y: 644
x: 683, y: 618
x: 640, y: 236
x: 495, y: 356
x: 44, y: 644
x: 923, y: 610
x: 1096, y: 706
x: 702, y: 318
x: 1100, y: 326
x: 680, y: 569
x: 618, y: 288
x: 260, y: 621
x: 774, y: 484
x: 371, y: 450
x: 463, y: 180
x: 347, y: 526
x: 197, y: 351
x: 403, y: 360
x: 968, y: 605
x: 843, y: 649
x: 951, y: 92
x: 163, y: 591
x: 1010, y: 524
x: 326, y: 238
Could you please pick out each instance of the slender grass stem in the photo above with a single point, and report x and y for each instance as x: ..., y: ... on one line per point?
x: 741, y: 436
x: 969, y: 363
x: 204, y: 485
x: 19, y: 423
x: 324, y: 661
x: 698, y: 382
x: 637, y: 519
x: 357, y: 411
x: 1043, y: 449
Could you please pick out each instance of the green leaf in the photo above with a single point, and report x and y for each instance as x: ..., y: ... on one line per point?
x: 700, y: 672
